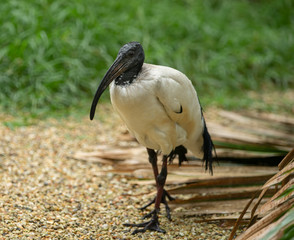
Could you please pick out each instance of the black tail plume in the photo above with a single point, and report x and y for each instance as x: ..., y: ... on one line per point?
x: 207, y: 148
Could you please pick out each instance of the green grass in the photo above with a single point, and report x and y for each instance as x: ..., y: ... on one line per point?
x: 54, y: 53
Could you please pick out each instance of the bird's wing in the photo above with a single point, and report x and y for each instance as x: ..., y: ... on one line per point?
x: 179, y: 99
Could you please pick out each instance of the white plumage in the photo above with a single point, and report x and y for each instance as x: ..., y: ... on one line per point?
x: 161, y: 109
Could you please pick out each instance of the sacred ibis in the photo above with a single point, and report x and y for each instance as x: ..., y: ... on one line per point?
x: 160, y: 107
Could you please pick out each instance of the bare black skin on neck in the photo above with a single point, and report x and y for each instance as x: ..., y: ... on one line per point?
x: 128, y: 76
x: 134, y: 53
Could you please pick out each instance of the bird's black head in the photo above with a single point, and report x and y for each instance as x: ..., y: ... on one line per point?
x: 124, y: 70
x: 132, y: 54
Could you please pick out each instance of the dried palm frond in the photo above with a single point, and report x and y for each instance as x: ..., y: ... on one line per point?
x: 278, y: 212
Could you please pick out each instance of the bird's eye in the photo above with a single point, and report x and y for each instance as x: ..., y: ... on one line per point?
x: 131, y: 53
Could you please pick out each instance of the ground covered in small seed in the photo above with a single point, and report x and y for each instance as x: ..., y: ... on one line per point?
x: 46, y: 194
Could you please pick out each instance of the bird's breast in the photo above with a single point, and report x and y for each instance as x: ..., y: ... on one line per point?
x: 145, y: 116
x: 136, y: 104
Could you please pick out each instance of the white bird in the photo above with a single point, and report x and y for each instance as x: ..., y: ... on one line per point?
x: 161, y: 109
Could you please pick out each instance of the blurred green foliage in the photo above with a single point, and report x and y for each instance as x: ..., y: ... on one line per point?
x: 53, y: 53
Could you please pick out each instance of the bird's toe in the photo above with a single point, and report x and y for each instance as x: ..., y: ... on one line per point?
x: 164, y: 198
x: 152, y: 225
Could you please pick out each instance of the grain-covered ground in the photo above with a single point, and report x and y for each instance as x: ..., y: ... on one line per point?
x: 45, y: 194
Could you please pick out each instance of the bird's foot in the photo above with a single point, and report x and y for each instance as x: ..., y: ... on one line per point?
x: 152, y: 225
x: 181, y: 151
x: 165, y: 195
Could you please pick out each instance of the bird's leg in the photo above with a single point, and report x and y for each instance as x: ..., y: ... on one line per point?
x: 153, y: 160
x: 160, y: 180
x: 152, y: 155
x: 153, y: 224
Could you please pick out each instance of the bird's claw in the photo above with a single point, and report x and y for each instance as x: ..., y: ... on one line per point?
x: 148, y: 215
x: 148, y: 204
x: 164, y: 201
x: 152, y: 225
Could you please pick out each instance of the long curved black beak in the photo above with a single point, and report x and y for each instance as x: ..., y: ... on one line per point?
x: 116, y: 69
